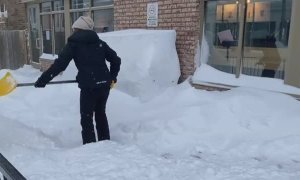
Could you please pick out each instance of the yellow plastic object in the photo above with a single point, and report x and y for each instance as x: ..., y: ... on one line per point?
x: 112, y: 85
x: 7, y: 84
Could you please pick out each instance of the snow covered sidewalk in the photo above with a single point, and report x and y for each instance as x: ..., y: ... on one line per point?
x: 182, y: 133
x: 159, y: 130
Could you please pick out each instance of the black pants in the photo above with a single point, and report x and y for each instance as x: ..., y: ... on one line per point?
x: 93, y: 102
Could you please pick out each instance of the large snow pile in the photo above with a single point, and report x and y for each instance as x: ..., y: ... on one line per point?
x: 149, y: 60
x: 208, y: 74
x: 180, y: 134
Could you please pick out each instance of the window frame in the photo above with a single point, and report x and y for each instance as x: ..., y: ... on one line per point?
x: 52, y: 14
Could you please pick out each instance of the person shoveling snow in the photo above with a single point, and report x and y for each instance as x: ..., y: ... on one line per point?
x: 94, y: 78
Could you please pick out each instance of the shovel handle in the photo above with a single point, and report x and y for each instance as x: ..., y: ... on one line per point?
x: 54, y: 82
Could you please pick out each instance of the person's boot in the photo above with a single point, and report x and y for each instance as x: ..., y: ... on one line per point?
x: 88, y: 137
x: 103, y: 137
x: 103, y: 133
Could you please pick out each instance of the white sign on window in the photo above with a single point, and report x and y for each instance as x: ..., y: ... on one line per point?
x: 152, y: 14
x: 47, y: 35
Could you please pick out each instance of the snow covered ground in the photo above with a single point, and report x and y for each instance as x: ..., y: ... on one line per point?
x: 171, y: 133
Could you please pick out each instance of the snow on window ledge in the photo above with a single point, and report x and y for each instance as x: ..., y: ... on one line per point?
x: 206, y: 74
x: 51, y: 57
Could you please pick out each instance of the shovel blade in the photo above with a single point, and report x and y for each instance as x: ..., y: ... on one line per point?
x: 7, y: 84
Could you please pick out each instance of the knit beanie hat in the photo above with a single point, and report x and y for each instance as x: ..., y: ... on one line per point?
x: 83, y: 22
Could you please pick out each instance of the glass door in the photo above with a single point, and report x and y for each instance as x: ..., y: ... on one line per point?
x: 53, y: 26
x: 47, y: 28
x: 222, y: 26
x: 266, y: 37
x: 248, y: 36
x: 34, y: 27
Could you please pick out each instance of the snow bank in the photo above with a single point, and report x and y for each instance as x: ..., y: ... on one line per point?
x: 208, y: 74
x: 149, y: 59
x: 239, y: 134
x: 181, y: 134
x: 211, y: 122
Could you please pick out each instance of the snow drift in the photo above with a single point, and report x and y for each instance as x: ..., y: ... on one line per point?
x: 180, y: 134
x: 149, y: 59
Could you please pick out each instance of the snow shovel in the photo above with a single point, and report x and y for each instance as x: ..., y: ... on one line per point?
x: 8, y: 84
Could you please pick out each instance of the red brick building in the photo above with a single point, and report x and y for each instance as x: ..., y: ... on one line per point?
x: 13, y: 15
x: 180, y: 15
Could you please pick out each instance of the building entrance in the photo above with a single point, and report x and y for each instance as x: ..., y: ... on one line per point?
x: 248, y: 36
x: 34, y: 30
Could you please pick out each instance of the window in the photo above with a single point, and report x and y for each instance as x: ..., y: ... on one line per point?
x: 47, y: 33
x: 53, y: 19
x: 46, y: 7
x: 100, y: 10
x: 260, y: 49
x: 3, y: 11
x: 53, y: 26
x: 79, y: 4
x: 2, y: 8
x: 103, y: 15
x: 58, y: 5
x: 79, y: 8
x: 104, y: 20
x: 102, y: 2
x: 59, y: 32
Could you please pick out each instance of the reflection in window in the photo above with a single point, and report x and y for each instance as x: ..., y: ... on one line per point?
x: 46, y: 7
x: 226, y: 19
x: 266, y: 38
x: 33, y: 15
x: 264, y: 19
x: 77, y: 4
x: 47, y: 34
x: 265, y: 42
x: 53, y: 42
x: 59, y: 32
x: 58, y: 5
x: 102, y: 2
x: 104, y: 20
x: 268, y: 19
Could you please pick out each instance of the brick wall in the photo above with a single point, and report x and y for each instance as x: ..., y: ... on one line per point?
x: 180, y: 15
x: 16, y: 15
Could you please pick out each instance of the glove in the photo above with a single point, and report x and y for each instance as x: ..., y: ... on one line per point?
x: 39, y: 84
x: 113, y: 82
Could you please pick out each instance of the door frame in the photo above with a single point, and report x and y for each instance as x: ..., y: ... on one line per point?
x: 38, y: 41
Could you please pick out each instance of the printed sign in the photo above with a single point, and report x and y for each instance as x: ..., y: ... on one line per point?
x: 152, y: 14
x: 47, y: 35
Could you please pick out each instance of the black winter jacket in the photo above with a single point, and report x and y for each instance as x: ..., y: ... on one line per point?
x: 89, y: 54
